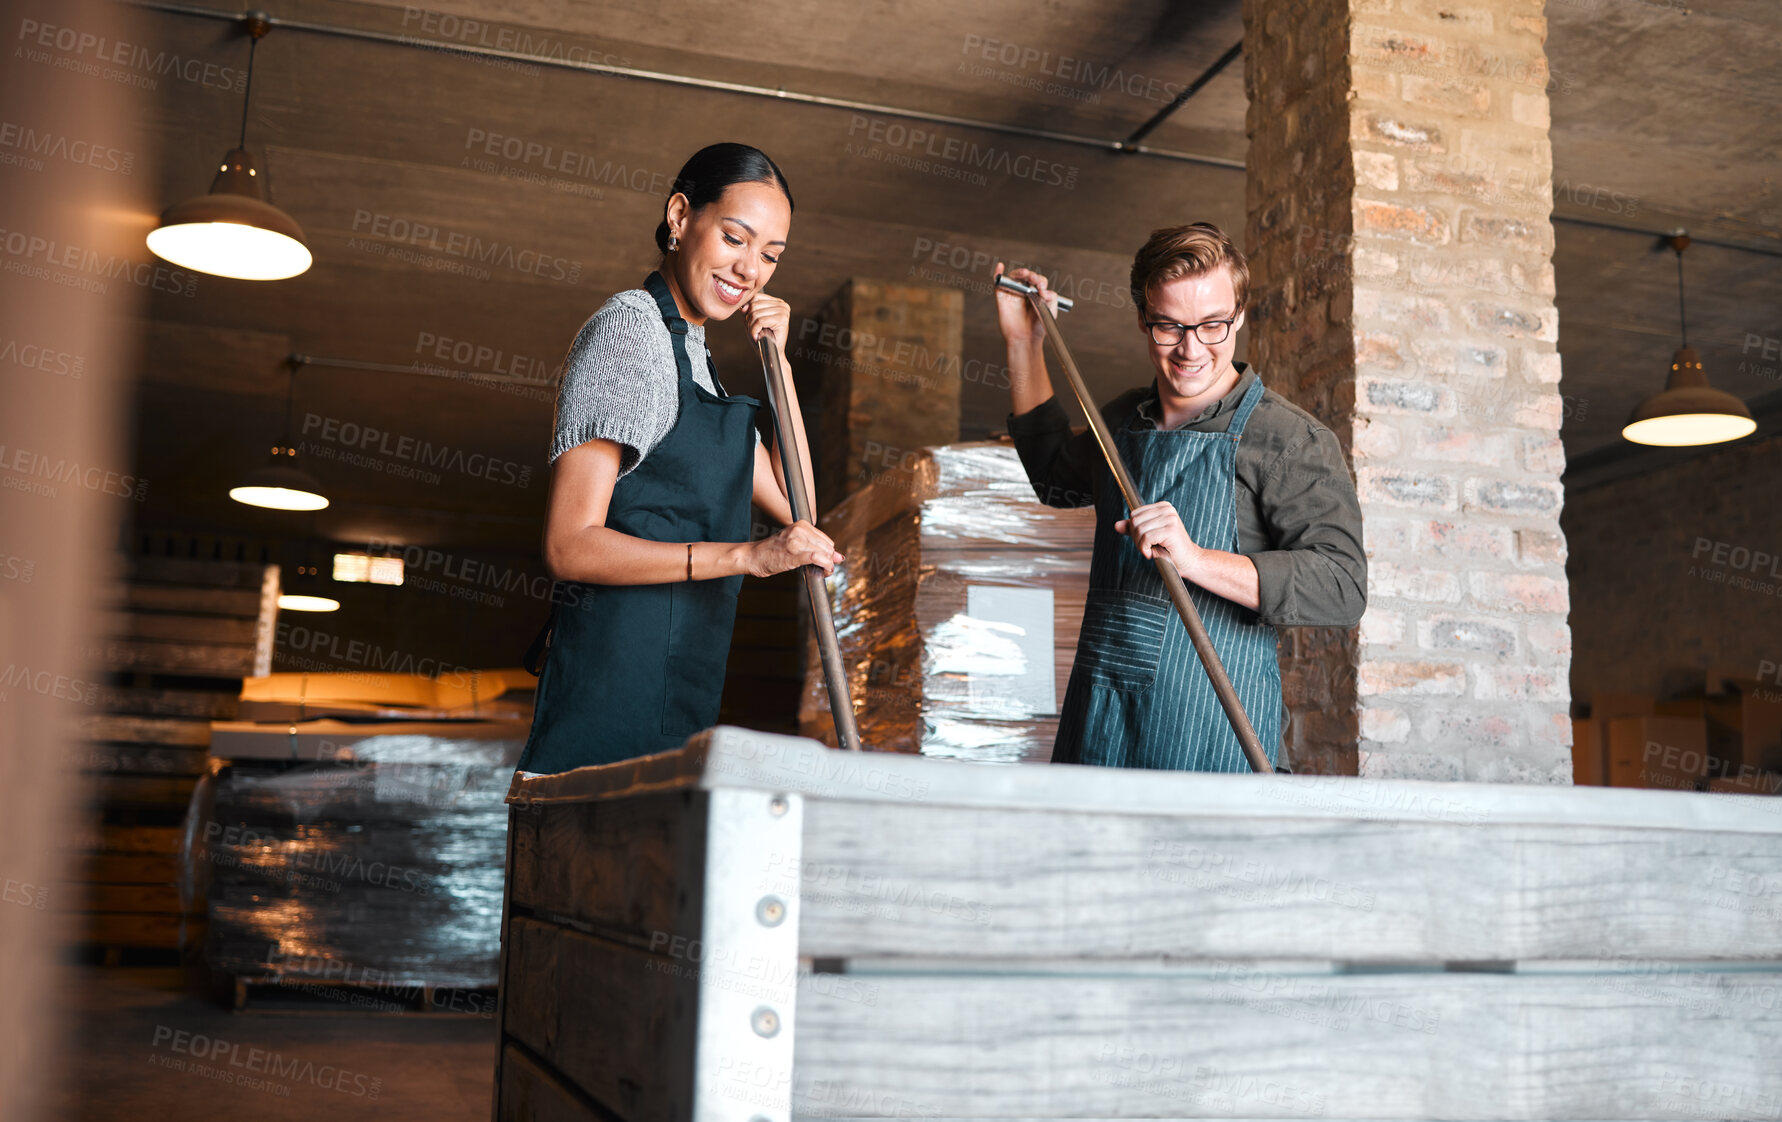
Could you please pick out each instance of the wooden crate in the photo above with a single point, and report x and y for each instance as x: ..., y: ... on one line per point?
x: 757, y: 928
x: 176, y: 641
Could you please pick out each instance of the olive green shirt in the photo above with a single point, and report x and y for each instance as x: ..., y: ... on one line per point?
x: 1298, y: 518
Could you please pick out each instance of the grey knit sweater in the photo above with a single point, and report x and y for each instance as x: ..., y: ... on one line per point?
x: 620, y: 382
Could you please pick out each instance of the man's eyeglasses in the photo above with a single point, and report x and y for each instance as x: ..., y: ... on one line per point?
x: 1167, y: 333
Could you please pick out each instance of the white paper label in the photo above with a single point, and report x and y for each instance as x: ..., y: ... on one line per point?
x: 1026, y: 615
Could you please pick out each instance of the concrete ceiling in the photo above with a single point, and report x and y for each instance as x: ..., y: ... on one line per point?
x: 366, y: 141
x: 1664, y: 117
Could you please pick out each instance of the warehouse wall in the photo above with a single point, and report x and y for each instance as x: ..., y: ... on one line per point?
x: 1676, y: 572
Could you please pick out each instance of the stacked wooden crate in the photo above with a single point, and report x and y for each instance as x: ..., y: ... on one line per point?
x: 179, y: 638
x: 958, y: 608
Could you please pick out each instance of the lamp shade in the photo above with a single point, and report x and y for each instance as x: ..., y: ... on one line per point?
x: 1688, y: 411
x: 232, y: 231
x: 281, y: 488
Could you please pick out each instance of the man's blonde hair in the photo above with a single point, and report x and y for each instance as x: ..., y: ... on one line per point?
x: 1193, y: 250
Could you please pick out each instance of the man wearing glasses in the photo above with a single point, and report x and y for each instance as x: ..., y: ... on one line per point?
x: 1250, y: 498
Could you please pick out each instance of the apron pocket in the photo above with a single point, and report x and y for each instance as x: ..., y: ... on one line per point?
x: 1122, y: 639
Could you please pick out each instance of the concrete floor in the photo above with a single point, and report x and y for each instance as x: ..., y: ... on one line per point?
x: 145, y: 1045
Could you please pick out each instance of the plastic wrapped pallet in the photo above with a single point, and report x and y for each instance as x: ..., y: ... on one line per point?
x: 957, y: 607
x: 382, y: 869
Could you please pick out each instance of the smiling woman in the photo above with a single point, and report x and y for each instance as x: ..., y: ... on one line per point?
x: 654, y: 468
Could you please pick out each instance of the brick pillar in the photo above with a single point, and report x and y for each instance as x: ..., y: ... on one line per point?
x: 1398, y: 198
x: 889, y: 356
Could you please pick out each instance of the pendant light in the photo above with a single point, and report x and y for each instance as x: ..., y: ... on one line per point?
x: 232, y: 231
x: 279, y: 485
x: 306, y: 571
x: 1688, y: 411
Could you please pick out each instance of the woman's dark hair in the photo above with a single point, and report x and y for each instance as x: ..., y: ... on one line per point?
x: 705, y: 176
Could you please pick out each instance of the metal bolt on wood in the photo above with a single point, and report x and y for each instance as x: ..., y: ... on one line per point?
x: 765, y: 1022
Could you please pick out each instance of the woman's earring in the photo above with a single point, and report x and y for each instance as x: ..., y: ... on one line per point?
x: 674, y: 243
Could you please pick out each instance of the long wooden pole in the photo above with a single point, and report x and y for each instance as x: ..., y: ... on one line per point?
x: 841, y: 704
x: 1172, y: 580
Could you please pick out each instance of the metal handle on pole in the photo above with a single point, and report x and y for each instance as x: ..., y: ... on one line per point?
x: 1172, y: 580
x: 841, y: 705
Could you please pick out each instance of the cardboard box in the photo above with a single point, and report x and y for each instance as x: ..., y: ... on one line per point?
x: 1752, y: 783
x: 1723, y: 717
x: 1605, y: 707
x: 1760, y: 726
x: 1589, y: 757
x: 1753, y: 707
x: 458, y: 695
x: 1665, y: 753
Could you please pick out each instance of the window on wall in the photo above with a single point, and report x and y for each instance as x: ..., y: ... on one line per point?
x: 363, y: 568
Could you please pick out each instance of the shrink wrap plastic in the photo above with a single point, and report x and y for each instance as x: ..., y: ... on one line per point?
x: 382, y: 870
x: 958, y: 608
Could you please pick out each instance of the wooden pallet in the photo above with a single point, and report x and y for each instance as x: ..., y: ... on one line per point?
x: 177, y: 639
x: 299, y: 996
x: 128, y: 896
x: 111, y: 955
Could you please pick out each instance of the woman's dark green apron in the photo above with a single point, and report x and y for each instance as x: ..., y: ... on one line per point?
x: 633, y: 670
x: 1138, y: 696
